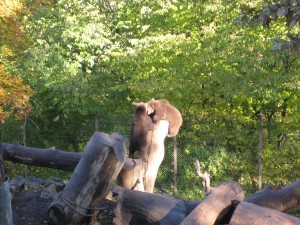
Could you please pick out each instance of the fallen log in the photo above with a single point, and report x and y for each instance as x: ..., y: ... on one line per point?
x: 92, y: 179
x: 250, y: 214
x: 56, y: 159
x: 216, y: 204
x: 135, y: 207
x: 282, y: 199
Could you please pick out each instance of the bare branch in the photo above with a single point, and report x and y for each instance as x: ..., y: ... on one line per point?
x: 204, y: 176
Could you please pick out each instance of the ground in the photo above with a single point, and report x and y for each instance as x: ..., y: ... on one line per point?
x: 29, y: 208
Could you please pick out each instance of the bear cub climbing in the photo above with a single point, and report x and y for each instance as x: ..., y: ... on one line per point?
x: 163, y: 110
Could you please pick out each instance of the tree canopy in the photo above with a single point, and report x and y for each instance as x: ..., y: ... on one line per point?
x: 220, y: 63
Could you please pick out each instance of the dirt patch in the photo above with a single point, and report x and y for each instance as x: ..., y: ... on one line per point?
x: 29, y: 208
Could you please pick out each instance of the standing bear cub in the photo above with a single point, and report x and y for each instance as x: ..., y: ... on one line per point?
x: 163, y: 110
x: 140, y: 132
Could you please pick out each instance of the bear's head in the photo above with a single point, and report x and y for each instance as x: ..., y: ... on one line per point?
x: 139, y: 108
x: 153, y: 105
x: 150, y: 106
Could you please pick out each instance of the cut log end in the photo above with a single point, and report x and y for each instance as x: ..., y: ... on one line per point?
x: 56, y: 215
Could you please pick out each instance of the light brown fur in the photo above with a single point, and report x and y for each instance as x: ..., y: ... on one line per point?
x: 163, y: 110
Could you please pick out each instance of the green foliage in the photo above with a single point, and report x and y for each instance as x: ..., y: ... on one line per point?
x: 220, y: 163
x: 97, y: 57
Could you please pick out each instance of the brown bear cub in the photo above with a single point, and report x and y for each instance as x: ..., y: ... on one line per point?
x: 140, y: 132
x: 163, y: 110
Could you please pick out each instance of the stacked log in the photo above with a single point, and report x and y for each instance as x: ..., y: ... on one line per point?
x: 92, y: 179
x: 101, y: 162
x: 250, y: 214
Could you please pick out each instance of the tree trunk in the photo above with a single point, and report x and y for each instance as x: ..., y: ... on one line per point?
x: 250, y: 214
x: 216, y: 204
x: 156, y: 155
x: 102, y: 160
x: 41, y: 157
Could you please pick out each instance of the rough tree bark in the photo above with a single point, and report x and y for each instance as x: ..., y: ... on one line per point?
x: 135, y: 207
x: 216, y: 204
x: 102, y: 160
x: 5, y: 200
x: 250, y: 214
x: 282, y: 199
x: 41, y: 157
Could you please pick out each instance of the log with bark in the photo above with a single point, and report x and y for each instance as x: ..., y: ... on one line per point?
x: 217, y: 207
x: 249, y: 214
x: 102, y: 160
x: 282, y: 199
x: 216, y: 204
x: 279, y: 198
x: 135, y: 207
x: 56, y: 159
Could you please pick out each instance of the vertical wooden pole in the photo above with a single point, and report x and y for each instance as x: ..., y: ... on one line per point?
x: 175, y: 164
x: 260, y: 139
x: 5, y: 199
x: 156, y: 154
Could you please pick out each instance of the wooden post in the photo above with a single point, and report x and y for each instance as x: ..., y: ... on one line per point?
x: 101, y: 162
x: 250, y: 214
x: 214, y: 205
x: 5, y: 199
x: 175, y: 164
x: 156, y: 155
x: 260, y: 139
